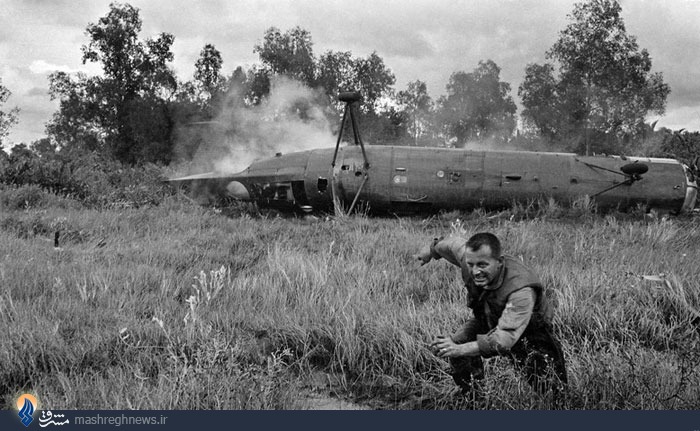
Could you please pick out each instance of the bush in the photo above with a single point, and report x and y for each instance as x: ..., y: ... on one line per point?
x: 89, y: 178
x: 32, y: 196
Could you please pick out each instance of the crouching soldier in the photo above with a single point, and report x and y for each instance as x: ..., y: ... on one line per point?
x: 511, y: 316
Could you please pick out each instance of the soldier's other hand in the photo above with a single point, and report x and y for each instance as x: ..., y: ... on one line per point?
x: 443, y: 346
x: 423, y: 256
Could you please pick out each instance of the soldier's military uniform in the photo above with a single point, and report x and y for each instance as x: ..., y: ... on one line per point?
x: 511, y: 317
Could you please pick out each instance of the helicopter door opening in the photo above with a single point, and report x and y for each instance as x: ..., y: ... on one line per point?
x: 289, y: 194
x: 283, y: 192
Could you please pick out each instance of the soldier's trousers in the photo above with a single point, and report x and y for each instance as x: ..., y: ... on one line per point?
x: 537, y: 352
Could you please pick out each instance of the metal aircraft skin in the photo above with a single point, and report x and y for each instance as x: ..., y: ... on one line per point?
x: 409, y: 180
x: 416, y: 180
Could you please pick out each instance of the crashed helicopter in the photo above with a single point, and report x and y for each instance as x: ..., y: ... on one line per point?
x: 410, y: 180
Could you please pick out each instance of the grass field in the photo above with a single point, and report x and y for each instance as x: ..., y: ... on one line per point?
x: 178, y: 306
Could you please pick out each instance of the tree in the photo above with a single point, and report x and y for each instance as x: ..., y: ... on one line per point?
x: 417, y: 105
x: 289, y: 54
x: 336, y: 73
x: 373, y: 80
x: 538, y: 94
x: 605, y: 87
x: 77, y: 123
x: 340, y: 71
x: 208, y: 71
x: 130, y: 66
x: 7, y: 119
x: 135, y: 85
x: 477, y: 106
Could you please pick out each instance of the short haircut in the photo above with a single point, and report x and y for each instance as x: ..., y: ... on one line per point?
x: 485, y: 238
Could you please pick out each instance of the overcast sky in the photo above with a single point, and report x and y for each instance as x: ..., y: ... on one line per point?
x: 426, y: 40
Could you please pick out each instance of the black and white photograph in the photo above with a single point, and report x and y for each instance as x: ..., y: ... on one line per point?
x: 348, y: 206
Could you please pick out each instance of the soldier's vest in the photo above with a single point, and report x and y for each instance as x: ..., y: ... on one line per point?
x: 488, y: 304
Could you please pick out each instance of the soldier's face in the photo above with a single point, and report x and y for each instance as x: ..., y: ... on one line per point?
x: 483, y: 267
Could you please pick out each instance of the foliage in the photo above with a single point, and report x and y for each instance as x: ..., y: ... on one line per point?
x: 88, y: 178
x: 340, y: 71
x: 289, y: 54
x: 477, y: 106
x: 682, y: 145
x: 417, y: 105
x: 124, y: 112
x: 538, y: 92
x: 335, y: 72
x: 7, y: 119
x: 31, y: 196
x: 604, y: 88
x: 373, y: 80
x: 208, y: 71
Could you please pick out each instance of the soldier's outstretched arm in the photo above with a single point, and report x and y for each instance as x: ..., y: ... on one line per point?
x: 451, y: 249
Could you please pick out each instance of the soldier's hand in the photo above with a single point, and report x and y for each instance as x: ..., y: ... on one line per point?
x: 443, y: 346
x: 423, y: 256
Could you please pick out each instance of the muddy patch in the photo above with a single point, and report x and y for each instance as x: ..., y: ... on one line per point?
x: 318, y: 394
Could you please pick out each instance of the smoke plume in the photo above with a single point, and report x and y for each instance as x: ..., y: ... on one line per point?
x: 292, y: 118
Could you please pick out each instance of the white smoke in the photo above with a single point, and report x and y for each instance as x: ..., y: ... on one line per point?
x: 490, y: 144
x: 290, y: 119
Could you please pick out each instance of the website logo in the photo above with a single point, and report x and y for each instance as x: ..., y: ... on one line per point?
x: 49, y: 418
x: 26, y: 404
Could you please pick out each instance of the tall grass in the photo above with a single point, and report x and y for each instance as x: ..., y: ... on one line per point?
x: 176, y: 306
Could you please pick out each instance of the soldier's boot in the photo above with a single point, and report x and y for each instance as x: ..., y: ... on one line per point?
x: 468, y: 374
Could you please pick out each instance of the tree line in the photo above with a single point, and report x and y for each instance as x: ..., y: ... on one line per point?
x: 591, y: 96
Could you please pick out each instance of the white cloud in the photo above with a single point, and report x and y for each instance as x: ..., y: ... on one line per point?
x: 43, y: 67
x: 680, y: 118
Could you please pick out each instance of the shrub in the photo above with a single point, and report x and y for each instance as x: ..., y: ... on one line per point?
x: 32, y: 196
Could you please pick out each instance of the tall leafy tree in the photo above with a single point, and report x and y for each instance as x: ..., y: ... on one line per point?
x: 125, y: 109
x: 208, y: 71
x: 335, y: 73
x: 417, y: 105
x: 290, y: 54
x: 478, y: 105
x: 538, y: 93
x: 605, y: 87
x: 374, y: 80
x: 340, y: 71
x: 79, y: 121
x: 9, y: 118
